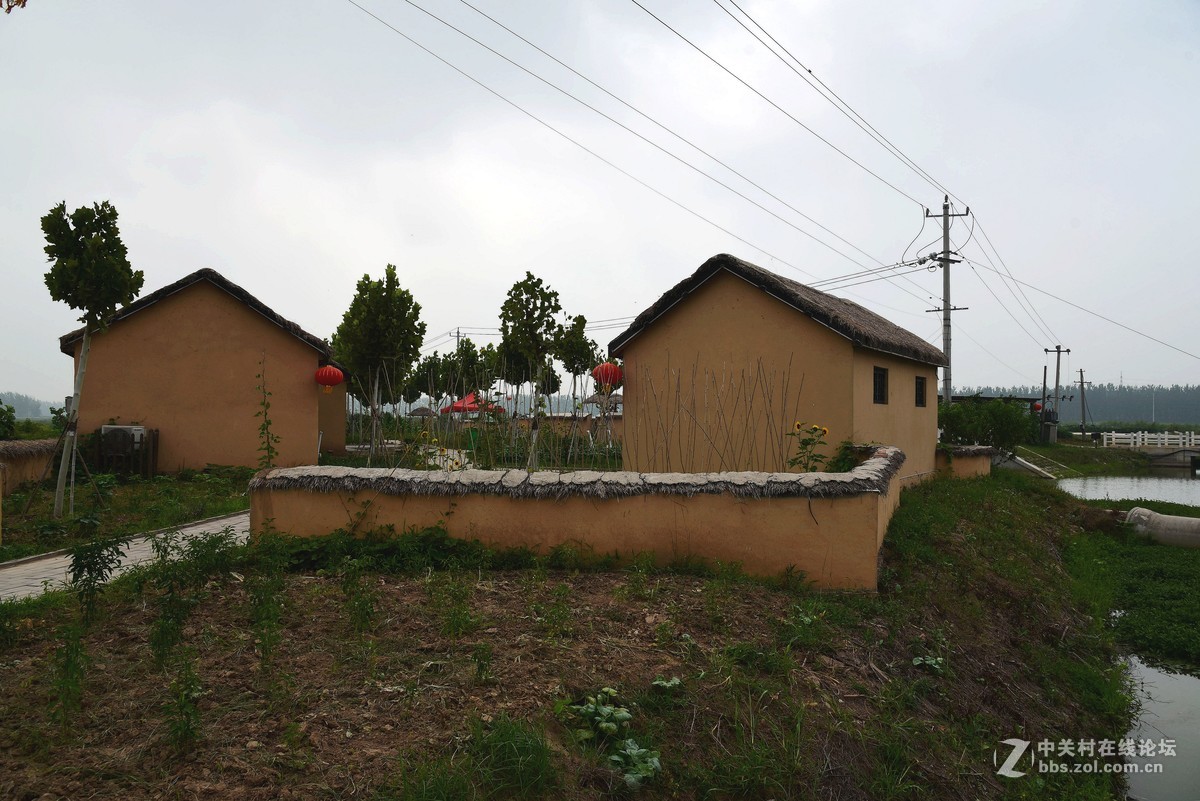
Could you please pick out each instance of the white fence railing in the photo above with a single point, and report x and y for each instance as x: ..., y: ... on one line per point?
x: 1169, y: 439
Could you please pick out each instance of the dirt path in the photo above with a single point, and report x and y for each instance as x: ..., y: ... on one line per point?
x: 22, y: 578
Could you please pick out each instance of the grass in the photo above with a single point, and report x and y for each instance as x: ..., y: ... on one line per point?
x: 1146, y: 592
x: 129, y: 507
x: 1092, y: 461
x: 782, y: 693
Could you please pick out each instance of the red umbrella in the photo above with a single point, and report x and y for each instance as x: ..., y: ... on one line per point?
x: 471, y: 403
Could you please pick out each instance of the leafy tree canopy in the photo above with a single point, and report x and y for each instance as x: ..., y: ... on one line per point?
x: 577, y: 353
x: 529, y: 326
x: 91, y: 270
x: 380, y: 337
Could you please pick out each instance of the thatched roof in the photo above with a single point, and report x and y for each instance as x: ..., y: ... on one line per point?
x: 421, y: 411
x: 872, y: 476
x: 600, y: 399
x: 18, y: 448
x: 67, y: 342
x: 864, y: 328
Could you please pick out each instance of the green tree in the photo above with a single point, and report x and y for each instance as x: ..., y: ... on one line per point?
x: 530, y: 335
x: 8, y: 421
x: 92, y: 274
x: 379, y: 340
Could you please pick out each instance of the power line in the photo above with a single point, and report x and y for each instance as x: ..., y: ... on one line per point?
x: 596, y: 155
x: 1085, y: 310
x: 839, y: 104
x: 645, y: 139
x: 672, y: 132
x: 779, y: 108
x: 1031, y: 310
x: 575, y: 142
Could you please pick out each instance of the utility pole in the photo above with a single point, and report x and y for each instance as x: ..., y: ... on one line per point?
x: 1083, y: 403
x: 1042, y: 414
x: 1058, y: 351
x: 947, y: 394
x: 457, y: 337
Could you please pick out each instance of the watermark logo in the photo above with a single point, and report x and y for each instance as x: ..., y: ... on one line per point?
x: 1072, y: 756
x: 1018, y: 750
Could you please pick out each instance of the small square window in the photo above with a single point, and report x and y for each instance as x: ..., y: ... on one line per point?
x: 920, y: 390
x: 881, y: 385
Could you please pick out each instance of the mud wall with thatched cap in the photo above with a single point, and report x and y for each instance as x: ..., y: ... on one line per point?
x: 827, y: 525
x: 965, y: 461
x: 22, y: 461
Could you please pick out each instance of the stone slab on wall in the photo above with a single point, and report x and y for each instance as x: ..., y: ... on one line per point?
x: 827, y: 525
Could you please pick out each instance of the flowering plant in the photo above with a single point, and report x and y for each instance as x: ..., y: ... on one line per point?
x: 808, y: 440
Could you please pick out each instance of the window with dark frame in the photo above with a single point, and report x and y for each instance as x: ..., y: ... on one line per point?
x: 920, y: 390
x: 881, y: 385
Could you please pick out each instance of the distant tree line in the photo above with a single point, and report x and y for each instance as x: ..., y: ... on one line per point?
x: 25, y: 406
x: 1114, y: 403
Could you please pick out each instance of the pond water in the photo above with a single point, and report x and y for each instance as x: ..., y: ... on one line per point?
x: 1170, y: 701
x: 1170, y: 710
x: 1181, y: 489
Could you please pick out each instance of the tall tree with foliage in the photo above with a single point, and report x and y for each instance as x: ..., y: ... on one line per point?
x: 379, y: 340
x: 530, y: 335
x: 578, y: 354
x: 91, y: 273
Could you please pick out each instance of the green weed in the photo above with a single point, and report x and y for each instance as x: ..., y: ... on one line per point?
x: 512, y: 758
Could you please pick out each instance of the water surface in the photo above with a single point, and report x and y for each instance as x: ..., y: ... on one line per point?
x: 1155, y: 488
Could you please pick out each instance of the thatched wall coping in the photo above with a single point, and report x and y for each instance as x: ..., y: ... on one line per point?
x: 22, y: 448
x: 872, y: 476
x: 969, y: 450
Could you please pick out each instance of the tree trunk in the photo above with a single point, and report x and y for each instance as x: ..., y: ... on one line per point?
x: 532, y: 463
x: 72, y: 421
x: 374, y: 417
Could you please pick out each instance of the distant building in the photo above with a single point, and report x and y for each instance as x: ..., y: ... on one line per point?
x: 723, y: 366
x: 184, y: 360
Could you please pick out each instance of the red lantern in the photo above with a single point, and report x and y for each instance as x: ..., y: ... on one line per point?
x: 608, y: 375
x: 1037, y: 407
x: 329, y: 377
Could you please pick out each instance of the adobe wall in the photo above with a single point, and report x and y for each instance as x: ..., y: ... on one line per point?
x: 22, y: 461
x: 965, y: 461
x: 899, y: 422
x: 719, y: 380
x: 827, y: 525
x: 186, y: 365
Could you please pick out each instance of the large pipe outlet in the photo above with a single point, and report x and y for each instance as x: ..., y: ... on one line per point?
x: 1165, y: 529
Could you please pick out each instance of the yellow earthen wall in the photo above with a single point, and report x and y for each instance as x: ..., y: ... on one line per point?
x: 186, y: 365
x: 834, y: 541
x: 899, y: 422
x: 718, y: 381
x: 18, y: 470
x: 964, y: 466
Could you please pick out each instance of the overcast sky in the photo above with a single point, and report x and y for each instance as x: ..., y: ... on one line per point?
x: 295, y: 146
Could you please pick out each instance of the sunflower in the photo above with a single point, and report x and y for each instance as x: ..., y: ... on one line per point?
x: 441, y: 451
x: 424, y: 435
x: 814, y: 427
x: 824, y: 431
x: 797, y: 426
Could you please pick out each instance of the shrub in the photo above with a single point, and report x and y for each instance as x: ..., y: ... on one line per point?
x: 1003, y: 424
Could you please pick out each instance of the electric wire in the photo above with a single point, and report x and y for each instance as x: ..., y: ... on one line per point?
x: 779, y: 108
x: 841, y: 105
x: 573, y: 141
x: 672, y: 132
x: 1086, y: 310
x: 1032, y: 309
x: 632, y: 132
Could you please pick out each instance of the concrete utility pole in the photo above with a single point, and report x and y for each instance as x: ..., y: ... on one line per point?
x: 1083, y: 403
x: 1059, y: 351
x: 947, y: 392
